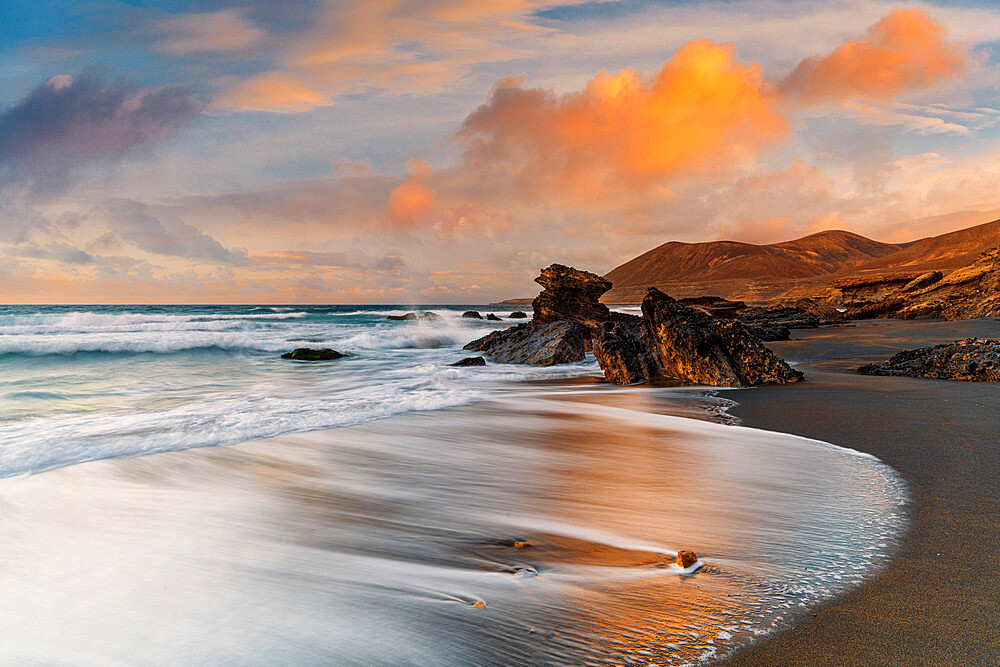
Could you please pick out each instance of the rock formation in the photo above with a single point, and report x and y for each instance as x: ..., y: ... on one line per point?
x: 971, y: 359
x: 715, y: 306
x: 968, y: 292
x: 686, y: 558
x: 492, y: 318
x: 470, y: 361
x: 538, y: 345
x: 409, y: 317
x: 401, y: 318
x: 694, y: 347
x: 472, y: 315
x: 517, y: 315
x: 309, y: 354
x: 570, y: 295
x: 622, y: 353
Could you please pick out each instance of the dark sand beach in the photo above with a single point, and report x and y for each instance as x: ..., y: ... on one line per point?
x: 936, y: 603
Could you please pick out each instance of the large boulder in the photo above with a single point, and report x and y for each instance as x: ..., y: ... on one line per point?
x: 694, y: 347
x: 971, y: 359
x: 570, y: 295
x: 538, y: 345
x: 517, y: 315
x: 472, y: 315
x: 402, y: 318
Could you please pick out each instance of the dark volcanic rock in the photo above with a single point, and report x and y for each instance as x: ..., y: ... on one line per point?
x: 493, y: 318
x: 622, y: 353
x: 971, y: 359
x: 309, y: 354
x: 790, y: 317
x: 715, y: 306
x: 517, y: 315
x: 570, y: 295
x: 769, y: 332
x: 470, y: 361
x: 400, y: 318
x: 472, y: 314
x: 694, y: 347
x: 686, y: 558
x: 538, y: 345
x: 431, y: 317
x: 826, y: 313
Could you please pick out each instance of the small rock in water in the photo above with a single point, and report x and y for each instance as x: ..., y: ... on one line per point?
x: 470, y: 361
x: 472, y: 314
x: 492, y: 317
x: 517, y: 315
x: 518, y: 544
x: 480, y: 604
x: 686, y: 558
x: 431, y: 317
x: 398, y: 318
x: 309, y: 354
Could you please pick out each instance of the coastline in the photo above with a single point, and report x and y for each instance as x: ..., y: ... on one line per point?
x: 935, y: 603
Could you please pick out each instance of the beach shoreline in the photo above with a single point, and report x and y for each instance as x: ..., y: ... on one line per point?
x: 935, y: 603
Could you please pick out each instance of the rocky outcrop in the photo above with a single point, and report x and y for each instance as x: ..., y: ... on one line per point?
x: 409, y: 317
x: 492, y: 318
x: 969, y: 292
x: 971, y: 359
x: 431, y: 317
x: 401, y: 318
x: 622, y: 352
x: 548, y: 344
x: 517, y: 315
x: 776, y: 322
x: 309, y: 354
x: 470, y: 361
x: 826, y: 312
x: 686, y: 558
x: 694, y: 347
x: 570, y: 295
x: 472, y: 315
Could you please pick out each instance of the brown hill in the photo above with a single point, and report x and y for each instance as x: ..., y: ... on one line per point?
x: 731, y: 264
x: 789, y: 270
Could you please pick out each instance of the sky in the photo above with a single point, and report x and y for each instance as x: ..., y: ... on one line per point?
x: 443, y: 151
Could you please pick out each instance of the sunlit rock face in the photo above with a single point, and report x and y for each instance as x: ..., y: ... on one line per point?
x: 692, y: 346
x: 971, y: 359
x: 970, y: 292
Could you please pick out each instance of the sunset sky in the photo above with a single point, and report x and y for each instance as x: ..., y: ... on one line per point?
x: 398, y: 151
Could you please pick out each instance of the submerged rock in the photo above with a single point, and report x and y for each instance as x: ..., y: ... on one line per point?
x: 472, y: 315
x: 537, y: 345
x: 686, y: 558
x: 971, y: 359
x: 570, y: 295
x: 493, y: 318
x: 309, y: 354
x: 694, y: 347
x: 400, y: 318
x: 470, y: 361
x: 517, y: 315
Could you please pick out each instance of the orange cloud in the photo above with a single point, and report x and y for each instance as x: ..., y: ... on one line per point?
x: 907, y: 49
x: 703, y: 109
x: 410, y: 202
x: 274, y: 92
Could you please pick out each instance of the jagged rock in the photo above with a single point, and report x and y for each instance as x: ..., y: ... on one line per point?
x: 769, y: 332
x: 517, y: 315
x: 686, y: 558
x: 570, y: 295
x: 431, y: 317
x: 493, y: 318
x: 791, y: 317
x: 694, y: 347
x: 400, y: 318
x: 309, y: 354
x: 622, y: 353
x: 971, y: 359
x: 715, y: 306
x: 922, y: 281
x: 470, y: 361
x: 472, y: 315
x: 537, y: 345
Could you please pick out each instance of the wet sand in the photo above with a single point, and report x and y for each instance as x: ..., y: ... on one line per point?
x: 937, y: 602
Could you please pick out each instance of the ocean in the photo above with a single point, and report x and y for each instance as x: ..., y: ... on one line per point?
x: 172, y: 491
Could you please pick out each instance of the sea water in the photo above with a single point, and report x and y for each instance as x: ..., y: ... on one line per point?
x: 455, y: 516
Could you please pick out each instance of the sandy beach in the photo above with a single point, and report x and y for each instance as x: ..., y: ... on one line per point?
x: 936, y: 603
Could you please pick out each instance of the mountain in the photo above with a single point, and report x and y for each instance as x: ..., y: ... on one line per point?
x: 685, y: 265
x: 803, y: 267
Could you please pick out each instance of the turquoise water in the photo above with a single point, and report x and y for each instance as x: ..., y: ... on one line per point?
x: 83, y: 383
